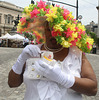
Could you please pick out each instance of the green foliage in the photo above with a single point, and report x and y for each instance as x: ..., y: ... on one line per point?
x: 92, y: 34
x: 58, y: 39
x: 29, y: 36
x: 42, y: 13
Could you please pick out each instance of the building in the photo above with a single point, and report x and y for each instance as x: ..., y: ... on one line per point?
x: 93, y: 27
x: 8, y: 13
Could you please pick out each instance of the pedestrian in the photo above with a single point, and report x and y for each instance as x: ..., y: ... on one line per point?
x: 67, y: 75
x: 25, y: 41
x: 3, y: 43
x: 94, y: 49
x: 32, y: 41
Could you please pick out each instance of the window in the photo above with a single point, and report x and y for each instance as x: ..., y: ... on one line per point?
x: 5, y: 16
x: 0, y: 19
x: 12, y: 19
x: 8, y: 20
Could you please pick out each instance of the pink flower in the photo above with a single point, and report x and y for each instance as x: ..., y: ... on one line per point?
x: 34, y: 13
x: 54, y: 34
x: 88, y: 45
x: 66, y: 12
x: 76, y: 28
x: 41, y: 4
x: 47, y: 11
x: 74, y: 21
x: 57, y: 5
x: 68, y: 33
x: 73, y: 42
x: 79, y: 33
x: 23, y: 20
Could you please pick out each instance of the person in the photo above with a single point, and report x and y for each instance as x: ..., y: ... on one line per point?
x: 94, y: 49
x: 25, y: 41
x: 32, y: 41
x: 71, y: 76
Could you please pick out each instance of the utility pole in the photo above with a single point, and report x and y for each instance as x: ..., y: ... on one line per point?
x: 32, y: 2
x: 98, y: 19
x: 77, y: 9
x: 69, y: 5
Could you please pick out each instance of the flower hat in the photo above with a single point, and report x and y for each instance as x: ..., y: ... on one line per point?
x: 67, y: 31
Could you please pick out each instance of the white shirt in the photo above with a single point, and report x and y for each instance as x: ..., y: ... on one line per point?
x: 26, y: 40
x: 48, y: 90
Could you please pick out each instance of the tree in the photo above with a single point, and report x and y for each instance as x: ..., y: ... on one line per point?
x: 29, y: 36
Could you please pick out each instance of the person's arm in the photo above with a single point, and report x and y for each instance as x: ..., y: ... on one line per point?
x: 14, y: 79
x: 87, y: 84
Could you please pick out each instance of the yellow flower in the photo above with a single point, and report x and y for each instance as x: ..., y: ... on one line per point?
x: 71, y: 26
x: 63, y: 22
x: 41, y: 9
x: 82, y: 27
x: 27, y: 10
x: 65, y: 44
x: 71, y: 39
x: 52, y: 14
x: 68, y: 25
x: 54, y: 9
x: 70, y: 15
x: 90, y: 40
x: 58, y: 27
x: 78, y: 43
x: 18, y: 28
x: 74, y: 34
x: 26, y: 15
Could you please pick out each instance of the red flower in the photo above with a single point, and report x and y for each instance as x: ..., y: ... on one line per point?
x: 54, y: 34
x: 34, y: 13
x: 66, y: 12
x: 23, y: 20
x: 68, y: 33
x: 73, y: 42
x: 41, y: 4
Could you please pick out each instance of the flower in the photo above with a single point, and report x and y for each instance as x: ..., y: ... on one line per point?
x: 63, y: 26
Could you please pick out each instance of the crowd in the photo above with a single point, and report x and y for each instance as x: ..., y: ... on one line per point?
x: 15, y: 43
x: 2, y: 42
x: 26, y: 41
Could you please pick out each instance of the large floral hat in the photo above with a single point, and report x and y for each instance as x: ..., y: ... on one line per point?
x: 67, y: 31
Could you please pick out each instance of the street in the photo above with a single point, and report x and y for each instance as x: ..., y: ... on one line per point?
x: 8, y: 57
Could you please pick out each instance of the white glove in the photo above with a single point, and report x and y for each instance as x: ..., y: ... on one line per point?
x: 28, y: 52
x: 54, y: 73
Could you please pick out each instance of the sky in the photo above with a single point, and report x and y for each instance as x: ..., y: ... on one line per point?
x: 86, y: 8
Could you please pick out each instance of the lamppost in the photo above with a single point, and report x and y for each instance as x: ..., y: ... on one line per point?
x: 69, y: 5
x: 79, y: 18
x: 32, y: 2
x: 98, y: 19
x: 53, y: 4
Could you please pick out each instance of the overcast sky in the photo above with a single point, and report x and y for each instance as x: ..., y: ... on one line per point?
x: 87, y: 8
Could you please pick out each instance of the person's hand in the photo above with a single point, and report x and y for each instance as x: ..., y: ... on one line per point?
x: 54, y: 73
x: 31, y: 51
x: 28, y: 52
